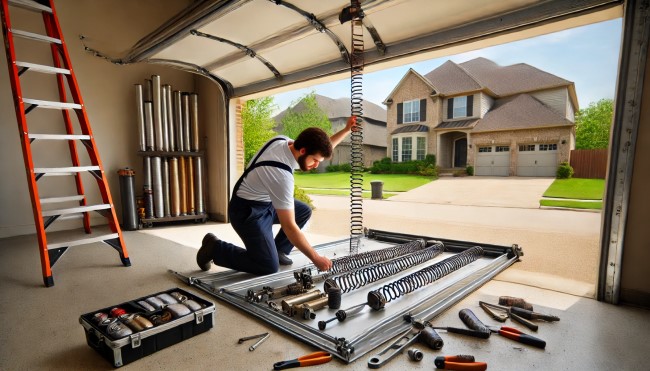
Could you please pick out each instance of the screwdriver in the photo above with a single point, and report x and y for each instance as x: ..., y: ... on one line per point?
x: 462, y: 331
x: 533, y: 315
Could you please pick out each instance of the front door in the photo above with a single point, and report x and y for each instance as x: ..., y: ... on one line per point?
x: 460, y: 153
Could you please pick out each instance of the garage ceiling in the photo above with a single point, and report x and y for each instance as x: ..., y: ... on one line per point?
x: 252, y: 46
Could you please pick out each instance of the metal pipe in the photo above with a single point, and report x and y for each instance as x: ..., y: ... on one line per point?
x: 148, y: 123
x: 147, y: 90
x: 190, y: 185
x: 186, y: 121
x: 194, y: 121
x: 182, y: 189
x: 157, y: 123
x: 165, y: 185
x: 139, y: 104
x: 163, y: 119
x: 156, y: 176
x: 146, y: 164
x: 199, y: 206
x: 170, y: 120
x: 174, y: 187
x: 178, y: 121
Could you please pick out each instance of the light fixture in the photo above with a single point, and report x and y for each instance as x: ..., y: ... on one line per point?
x: 563, y: 141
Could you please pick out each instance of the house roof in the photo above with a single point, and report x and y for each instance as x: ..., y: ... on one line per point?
x: 451, y: 79
x: 458, y: 124
x: 520, y: 112
x: 411, y: 129
x: 410, y: 72
x: 340, y: 107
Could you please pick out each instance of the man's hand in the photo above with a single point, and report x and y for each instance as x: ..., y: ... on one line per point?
x: 322, y: 263
x: 351, y: 124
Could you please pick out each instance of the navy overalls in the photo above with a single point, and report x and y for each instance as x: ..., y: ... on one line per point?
x: 253, y: 221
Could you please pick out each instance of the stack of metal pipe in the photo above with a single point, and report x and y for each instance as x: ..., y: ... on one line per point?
x: 168, y: 127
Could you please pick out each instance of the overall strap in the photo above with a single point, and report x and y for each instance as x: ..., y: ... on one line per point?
x: 254, y: 164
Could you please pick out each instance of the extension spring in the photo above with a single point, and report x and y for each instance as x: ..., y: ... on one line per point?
x: 378, y: 298
x: 352, y: 262
x: 356, y: 141
x: 363, y: 276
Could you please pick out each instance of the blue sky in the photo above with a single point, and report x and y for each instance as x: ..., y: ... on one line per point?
x: 586, y: 55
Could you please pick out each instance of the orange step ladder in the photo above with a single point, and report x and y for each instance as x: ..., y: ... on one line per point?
x: 44, y: 214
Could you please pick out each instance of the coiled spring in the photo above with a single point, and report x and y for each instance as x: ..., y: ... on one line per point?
x: 356, y: 140
x: 363, y: 276
x: 378, y: 298
x: 352, y: 262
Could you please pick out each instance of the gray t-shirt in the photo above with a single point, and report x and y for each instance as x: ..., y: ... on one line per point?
x: 270, y: 183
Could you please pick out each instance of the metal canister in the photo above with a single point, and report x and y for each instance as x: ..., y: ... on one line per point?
x: 127, y: 193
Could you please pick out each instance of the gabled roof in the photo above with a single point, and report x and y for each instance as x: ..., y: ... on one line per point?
x: 451, y: 79
x: 520, y: 112
x: 416, y: 74
x: 340, y: 107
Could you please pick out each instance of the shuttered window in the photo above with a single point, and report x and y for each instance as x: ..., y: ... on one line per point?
x: 458, y: 107
x: 411, y: 111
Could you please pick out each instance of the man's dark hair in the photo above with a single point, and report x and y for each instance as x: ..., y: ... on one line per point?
x: 314, y: 140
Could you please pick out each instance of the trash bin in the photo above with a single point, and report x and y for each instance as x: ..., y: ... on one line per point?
x: 377, y: 187
x: 127, y: 191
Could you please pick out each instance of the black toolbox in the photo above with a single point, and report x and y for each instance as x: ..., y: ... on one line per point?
x: 121, y: 350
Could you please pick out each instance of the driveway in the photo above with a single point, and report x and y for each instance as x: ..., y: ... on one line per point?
x: 520, y: 192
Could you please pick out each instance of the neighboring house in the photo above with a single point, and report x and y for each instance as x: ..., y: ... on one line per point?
x: 503, y: 120
x: 338, y: 111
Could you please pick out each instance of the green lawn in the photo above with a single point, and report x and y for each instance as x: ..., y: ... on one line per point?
x: 338, y: 180
x: 575, y: 188
x: 342, y: 192
x: 573, y: 204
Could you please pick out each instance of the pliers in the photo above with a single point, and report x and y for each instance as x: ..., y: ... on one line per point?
x: 459, y: 363
x: 514, y: 334
x: 315, y: 358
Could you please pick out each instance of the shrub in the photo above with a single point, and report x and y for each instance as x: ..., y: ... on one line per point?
x: 430, y: 160
x: 300, y: 195
x: 470, y: 170
x: 564, y: 171
x: 421, y: 167
x: 346, y: 167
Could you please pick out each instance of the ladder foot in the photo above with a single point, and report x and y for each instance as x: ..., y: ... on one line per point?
x: 126, y: 261
x: 48, y: 281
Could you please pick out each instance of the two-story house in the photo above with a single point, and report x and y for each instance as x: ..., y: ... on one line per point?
x: 502, y: 120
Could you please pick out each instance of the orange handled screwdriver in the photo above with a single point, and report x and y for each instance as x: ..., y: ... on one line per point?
x: 315, y: 358
x: 514, y: 334
x: 460, y: 362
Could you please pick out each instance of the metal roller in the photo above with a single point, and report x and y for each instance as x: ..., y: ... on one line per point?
x: 186, y: 121
x: 157, y: 122
x: 190, y: 185
x: 170, y: 119
x: 139, y: 104
x: 165, y: 186
x: 163, y: 119
x: 174, y: 192
x: 194, y: 122
x: 146, y: 164
x: 178, y: 121
x: 148, y: 124
x: 156, y: 177
x: 182, y: 189
x: 199, y: 206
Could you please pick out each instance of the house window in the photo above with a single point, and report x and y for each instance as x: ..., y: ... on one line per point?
x: 395, y: 150
x: 548, y: 147
x: 484, y: 149
x: 421, y: 150
x: 460, y: 107
x: 407, y: 146
x: 526, y: 147
x: 411, y: 111
x: 502, y: 149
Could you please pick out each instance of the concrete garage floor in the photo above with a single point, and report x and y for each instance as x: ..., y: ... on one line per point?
x: 41, y: 329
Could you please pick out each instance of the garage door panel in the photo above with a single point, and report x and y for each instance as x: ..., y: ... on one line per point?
x: 492, y: 164
x: 537, y: 163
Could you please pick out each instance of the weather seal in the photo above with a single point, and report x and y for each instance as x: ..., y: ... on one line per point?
x: 368, y: 329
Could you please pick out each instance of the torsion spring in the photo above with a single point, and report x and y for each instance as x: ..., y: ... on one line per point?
x: 352, y: 262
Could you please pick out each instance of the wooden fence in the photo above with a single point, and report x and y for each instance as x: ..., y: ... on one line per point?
x: 589, y: 163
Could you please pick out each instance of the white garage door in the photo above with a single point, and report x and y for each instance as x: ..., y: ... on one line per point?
x: 537, y: 160
x: 493, y: 161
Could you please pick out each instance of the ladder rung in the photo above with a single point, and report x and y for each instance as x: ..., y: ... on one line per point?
x: 52, y: 200
x: 30, y: 5
x: 42, y: 68
x: 52, y: 105
x: 74, y: 210
x: 70, y: 216
x: 54, y: 171
x: 82, y: 241
x: 35, y: 36
x: 59, y: 136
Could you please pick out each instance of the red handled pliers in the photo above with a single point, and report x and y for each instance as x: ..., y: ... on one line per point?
x: 315, y: 358
x: 459, y: 363
x: 514, y: 334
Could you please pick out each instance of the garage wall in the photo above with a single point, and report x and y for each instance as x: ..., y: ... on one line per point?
x: 107, y: 90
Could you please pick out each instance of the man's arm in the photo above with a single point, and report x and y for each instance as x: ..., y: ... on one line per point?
x: 298, y: 239
x: 338, y: 137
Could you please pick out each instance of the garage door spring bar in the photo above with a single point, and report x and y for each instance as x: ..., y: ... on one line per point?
x: 356, y: 279
x: 351, y: 262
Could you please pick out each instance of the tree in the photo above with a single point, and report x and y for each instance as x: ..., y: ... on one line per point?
x: 304, y: 114
x: 593, y: 124
x: 257, y: 125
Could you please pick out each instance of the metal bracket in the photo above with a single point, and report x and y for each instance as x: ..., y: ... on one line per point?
x: 198, y: 317
x: 135, y: 340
